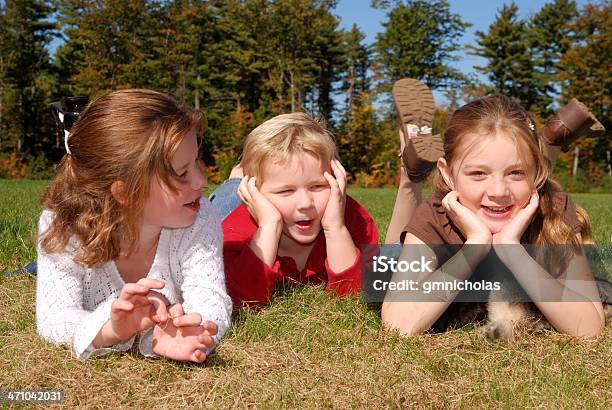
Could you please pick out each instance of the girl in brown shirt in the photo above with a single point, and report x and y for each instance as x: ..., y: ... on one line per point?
x: 493, y: 190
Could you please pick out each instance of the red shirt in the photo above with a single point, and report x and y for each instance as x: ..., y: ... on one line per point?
x: 250, y: 280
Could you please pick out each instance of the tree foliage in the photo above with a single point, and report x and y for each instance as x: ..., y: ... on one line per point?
x: 242, y: 61
x: 550, y: 35
x: 584, y: 72
x: 419, y: 40
x: 510, y: 66
x: 25, y: 76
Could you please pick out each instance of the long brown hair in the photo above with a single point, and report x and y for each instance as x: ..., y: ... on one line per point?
x: 497, y: 113
x: 129, y: 136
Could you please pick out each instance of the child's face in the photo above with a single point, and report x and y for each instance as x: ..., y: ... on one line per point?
x: 491, y: 180
x: 300, y: 192
x: 167, y: 209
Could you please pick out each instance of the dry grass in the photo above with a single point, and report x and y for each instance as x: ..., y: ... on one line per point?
x: 307, y: 350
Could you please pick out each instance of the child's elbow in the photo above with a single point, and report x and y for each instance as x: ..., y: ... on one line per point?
x: 590, y: 334
x: 396, y: 319
x: 590, y: 331
x: 597, y: 329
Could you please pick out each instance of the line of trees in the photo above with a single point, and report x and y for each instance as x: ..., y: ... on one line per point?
x: 243, y: 61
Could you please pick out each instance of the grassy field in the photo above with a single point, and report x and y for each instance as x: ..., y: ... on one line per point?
x: 305, y: 350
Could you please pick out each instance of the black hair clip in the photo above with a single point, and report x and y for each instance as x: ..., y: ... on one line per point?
x: 66, y: 112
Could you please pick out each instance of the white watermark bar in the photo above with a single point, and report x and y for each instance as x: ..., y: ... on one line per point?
x: 480, y: 273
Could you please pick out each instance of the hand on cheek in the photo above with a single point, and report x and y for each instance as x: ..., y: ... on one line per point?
x: 333, y: 216
x: 511, y: 232
x: 474, y: 230
x: 260, y: 208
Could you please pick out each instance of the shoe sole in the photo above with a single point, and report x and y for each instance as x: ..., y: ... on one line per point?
x: 422, y: 153
x: 414, y: 104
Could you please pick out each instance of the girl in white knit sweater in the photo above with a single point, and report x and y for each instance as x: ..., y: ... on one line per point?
x: 127, y: 245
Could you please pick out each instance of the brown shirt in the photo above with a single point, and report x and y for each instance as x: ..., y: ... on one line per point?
x: 431, y: 224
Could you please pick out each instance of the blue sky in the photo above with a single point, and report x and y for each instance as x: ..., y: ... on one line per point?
x: 481, y: 13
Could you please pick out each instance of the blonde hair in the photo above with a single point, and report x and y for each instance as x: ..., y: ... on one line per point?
x: 281, y: 137
x: 129, y: 136
x: 487, y: 117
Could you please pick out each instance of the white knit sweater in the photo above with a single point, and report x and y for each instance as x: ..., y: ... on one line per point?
x: 73, y: 302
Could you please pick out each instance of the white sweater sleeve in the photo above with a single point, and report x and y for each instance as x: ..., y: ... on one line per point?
x: 60, y: 316
x: 201, y: 258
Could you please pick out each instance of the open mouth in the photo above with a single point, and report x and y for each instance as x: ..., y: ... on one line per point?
x: 497, y: 211
x: 194, y: 205
x: 304, y: 224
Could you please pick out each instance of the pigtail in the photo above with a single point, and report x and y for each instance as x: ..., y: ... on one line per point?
x: 554, y: 238
x: 586, y: 234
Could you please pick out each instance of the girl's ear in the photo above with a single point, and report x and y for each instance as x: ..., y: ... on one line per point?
x: 118, y: 191
x: 446, y: 173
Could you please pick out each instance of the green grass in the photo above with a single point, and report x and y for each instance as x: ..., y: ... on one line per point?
x: 304, y: 350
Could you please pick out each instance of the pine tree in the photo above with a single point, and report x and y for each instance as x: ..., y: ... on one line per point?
x: 419, y: 40
x: 25, y: 32
x: 298, y: 45
x: 585, y: 67
x: 355, y: 79
x: 329, y: 59
x: 510, y: 67
x: 550, y: 36
x: 358, y: 125
x: 585, y: 74
x: 107, y: 43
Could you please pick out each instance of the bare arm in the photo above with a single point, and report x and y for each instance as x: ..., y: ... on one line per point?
x: 412, y: 316
x: 264, y: 243
x: 570, y: 303
x: 416, y: 312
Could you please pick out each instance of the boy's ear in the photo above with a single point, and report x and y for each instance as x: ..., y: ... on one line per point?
x: 118, y: 191
x: 446, y: 173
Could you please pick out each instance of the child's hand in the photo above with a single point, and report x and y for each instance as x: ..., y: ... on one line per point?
x: 333, y: 217
x: 511, y: 232
x: 138, y: 308
x: 182, y: 337
x: 474, y: 230
x: 262, y: 210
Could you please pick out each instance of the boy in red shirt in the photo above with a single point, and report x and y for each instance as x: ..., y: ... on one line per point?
x: 295, y: 224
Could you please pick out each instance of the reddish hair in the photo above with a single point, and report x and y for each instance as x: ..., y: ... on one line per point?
x: 129, y: 136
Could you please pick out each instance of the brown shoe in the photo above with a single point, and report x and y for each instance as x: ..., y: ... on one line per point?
x: 415, y: 107
x: 572, y: 121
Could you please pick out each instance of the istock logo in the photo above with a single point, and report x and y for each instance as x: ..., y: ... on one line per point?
x: 384, y: 264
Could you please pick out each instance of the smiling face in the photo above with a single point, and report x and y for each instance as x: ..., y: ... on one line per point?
x: 165, y: 208
x: 300, y: 192
x: 490, y: 179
